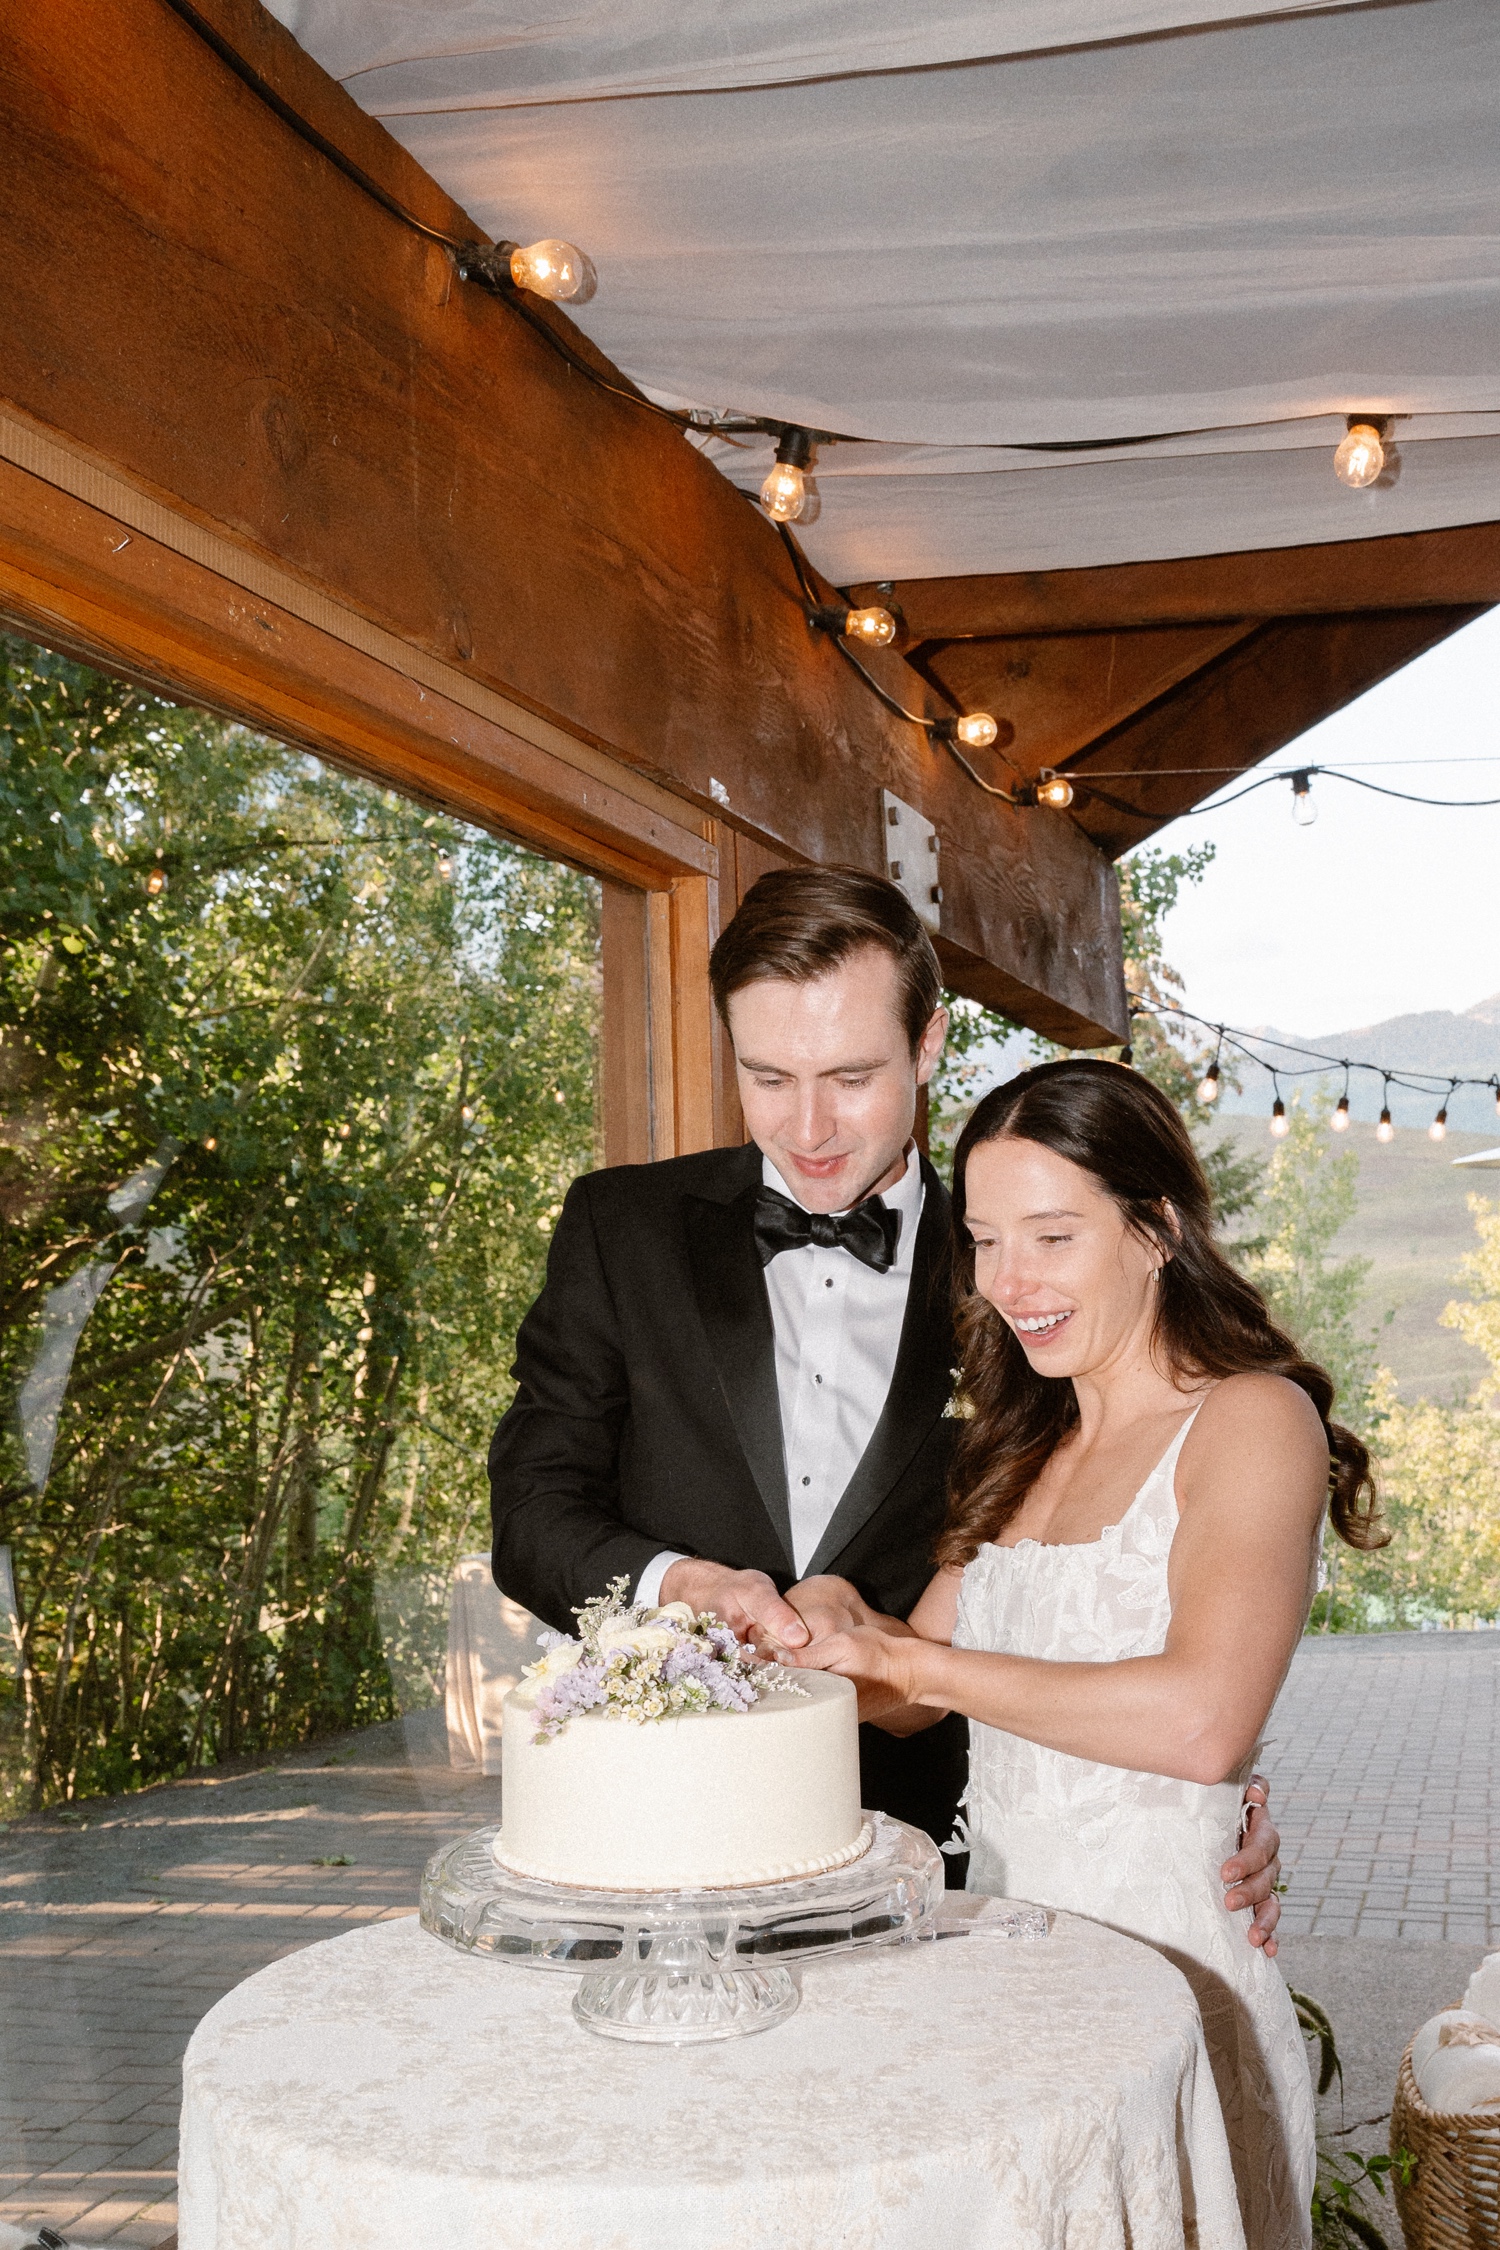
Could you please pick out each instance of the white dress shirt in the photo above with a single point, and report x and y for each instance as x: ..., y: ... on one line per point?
x: 837, y: 1325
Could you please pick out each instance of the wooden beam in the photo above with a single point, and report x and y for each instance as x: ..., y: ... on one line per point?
x: 1061, y: 691
x: 1419, y: 569
x: 212, y: 310
x: 1261, y: 694
x: 79, y: 578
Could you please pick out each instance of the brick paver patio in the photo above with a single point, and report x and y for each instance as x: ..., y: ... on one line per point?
x: 1385, y: 1758
x: 120, y: 1929
x: 121, y: 1926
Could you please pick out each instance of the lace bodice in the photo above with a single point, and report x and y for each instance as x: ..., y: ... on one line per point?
x: 1092, y: 1603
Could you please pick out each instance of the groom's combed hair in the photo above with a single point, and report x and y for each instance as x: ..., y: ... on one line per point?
x: 1210, y: 1321
x: 799, y: 923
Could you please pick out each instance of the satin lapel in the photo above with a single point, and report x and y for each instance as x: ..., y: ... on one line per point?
x: 736, y: 1316
x: 919, y: 1389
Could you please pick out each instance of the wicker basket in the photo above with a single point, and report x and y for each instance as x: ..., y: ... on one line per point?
x: 1453, y: 2201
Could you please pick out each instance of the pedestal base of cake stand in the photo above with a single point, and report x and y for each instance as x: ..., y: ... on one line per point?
x: 679, y: 1966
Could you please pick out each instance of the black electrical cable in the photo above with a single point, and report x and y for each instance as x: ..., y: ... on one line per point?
x: 467, y: 252
x: 914, y: 718
x: 1318, y: 1063
x: 1263, y: 781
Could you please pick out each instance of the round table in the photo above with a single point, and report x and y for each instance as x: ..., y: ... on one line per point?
x: 381, y: 2092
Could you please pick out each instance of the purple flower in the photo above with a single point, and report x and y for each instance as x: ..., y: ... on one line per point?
x: 560, y: 1699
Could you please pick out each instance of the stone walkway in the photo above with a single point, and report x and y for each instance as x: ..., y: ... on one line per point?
x: 121, y: 1924
x: 1385, y: 1760
x: 120, y: 1928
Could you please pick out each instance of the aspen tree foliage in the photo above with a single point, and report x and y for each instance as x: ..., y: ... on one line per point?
x: 294, y: 1075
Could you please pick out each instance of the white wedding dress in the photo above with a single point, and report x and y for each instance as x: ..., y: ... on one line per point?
x: 1137, y: 1850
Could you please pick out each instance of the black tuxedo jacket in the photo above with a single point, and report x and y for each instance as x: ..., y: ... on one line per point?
x: 646, y: 1416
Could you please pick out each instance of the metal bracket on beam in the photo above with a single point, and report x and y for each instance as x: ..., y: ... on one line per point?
x: 911, y: 857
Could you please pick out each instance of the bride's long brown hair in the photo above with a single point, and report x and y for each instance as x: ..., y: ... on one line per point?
x: 1210, y: 1320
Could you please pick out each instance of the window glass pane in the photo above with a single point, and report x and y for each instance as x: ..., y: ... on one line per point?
x: 295, y: 1073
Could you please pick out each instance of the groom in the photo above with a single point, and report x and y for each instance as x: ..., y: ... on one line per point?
x: 737, y: 1380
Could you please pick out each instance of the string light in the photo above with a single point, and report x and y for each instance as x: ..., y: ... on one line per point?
x: 444, y: 865
x: 976, y: 730
x: 156, y: 883
x: 1304, y: 811
x: 1208, y: 1084
x: 559, y: 271
x: 1339, y: 1122
x: 1054, y: 790
x: 784, y: 495
x: 1438, y: 1129
x: 1281, y: 1124
x: 871, y: 628
x: 1316, y: 1063
x: 1361, y: 455
x: 211, y: 1142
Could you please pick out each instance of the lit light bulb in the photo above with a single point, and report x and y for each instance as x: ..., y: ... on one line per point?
x: 559, y: 270
x: 156, y: 883
x: 1361, y: 456
x: 1340, y: 1118
x: 211, y: 1142
x: 1497, y: 1101
x: 444, y: 866
x: 1438, y: 1129
x: 784, y: 493
x: 1385, y: 1130
x: 1053, y: 789
x: 1304, y: 811
x: 875, y: 627
x: 1208, y: 1084
x: 1281, y: 1124
x: 976, y: 730
x: 467, y: 1113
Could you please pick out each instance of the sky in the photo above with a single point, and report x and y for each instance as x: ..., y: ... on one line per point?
x: 1380, y: 908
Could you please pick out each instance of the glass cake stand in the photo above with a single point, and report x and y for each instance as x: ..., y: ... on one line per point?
x: 677, y: 1966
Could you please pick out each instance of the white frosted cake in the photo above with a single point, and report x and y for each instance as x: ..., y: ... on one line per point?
x: 651, y: 1754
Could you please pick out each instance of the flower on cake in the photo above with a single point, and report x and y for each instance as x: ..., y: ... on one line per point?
x: 633, y: 1662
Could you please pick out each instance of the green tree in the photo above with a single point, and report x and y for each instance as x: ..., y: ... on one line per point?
x: 1150, y: 885
x: 1477, y: 1318
x: 1309, y: 1193
x: 1440, y: 1475
x: 1439, y: 1471
x: 295, y: 1075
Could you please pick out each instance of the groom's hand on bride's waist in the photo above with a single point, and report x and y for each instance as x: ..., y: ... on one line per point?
x: 1251, y: 1877
x: 745, y: 1600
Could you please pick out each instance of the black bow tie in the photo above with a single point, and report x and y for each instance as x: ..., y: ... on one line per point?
x: 869, y: 1232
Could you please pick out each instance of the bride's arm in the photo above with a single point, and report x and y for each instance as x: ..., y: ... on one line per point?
x: 1251, y: 1482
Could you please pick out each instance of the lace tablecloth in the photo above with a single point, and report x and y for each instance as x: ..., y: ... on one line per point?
x: 380, y: 2092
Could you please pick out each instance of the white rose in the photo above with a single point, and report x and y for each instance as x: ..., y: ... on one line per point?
x: 561, y: 1657
x: 637, y: 1640
x: 680, y: 1613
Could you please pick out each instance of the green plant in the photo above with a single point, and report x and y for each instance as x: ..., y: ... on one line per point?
x: 1343, y: 2175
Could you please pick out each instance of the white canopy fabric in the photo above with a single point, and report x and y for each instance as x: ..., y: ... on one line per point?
x: 957, y: 230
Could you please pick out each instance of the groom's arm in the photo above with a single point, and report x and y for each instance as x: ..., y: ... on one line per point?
x: 559, y: 1537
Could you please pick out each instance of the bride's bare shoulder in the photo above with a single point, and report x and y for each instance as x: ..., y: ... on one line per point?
x: 1267, y: 1408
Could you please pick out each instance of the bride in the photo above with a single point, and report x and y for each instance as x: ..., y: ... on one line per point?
x: 1133, y: 1531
